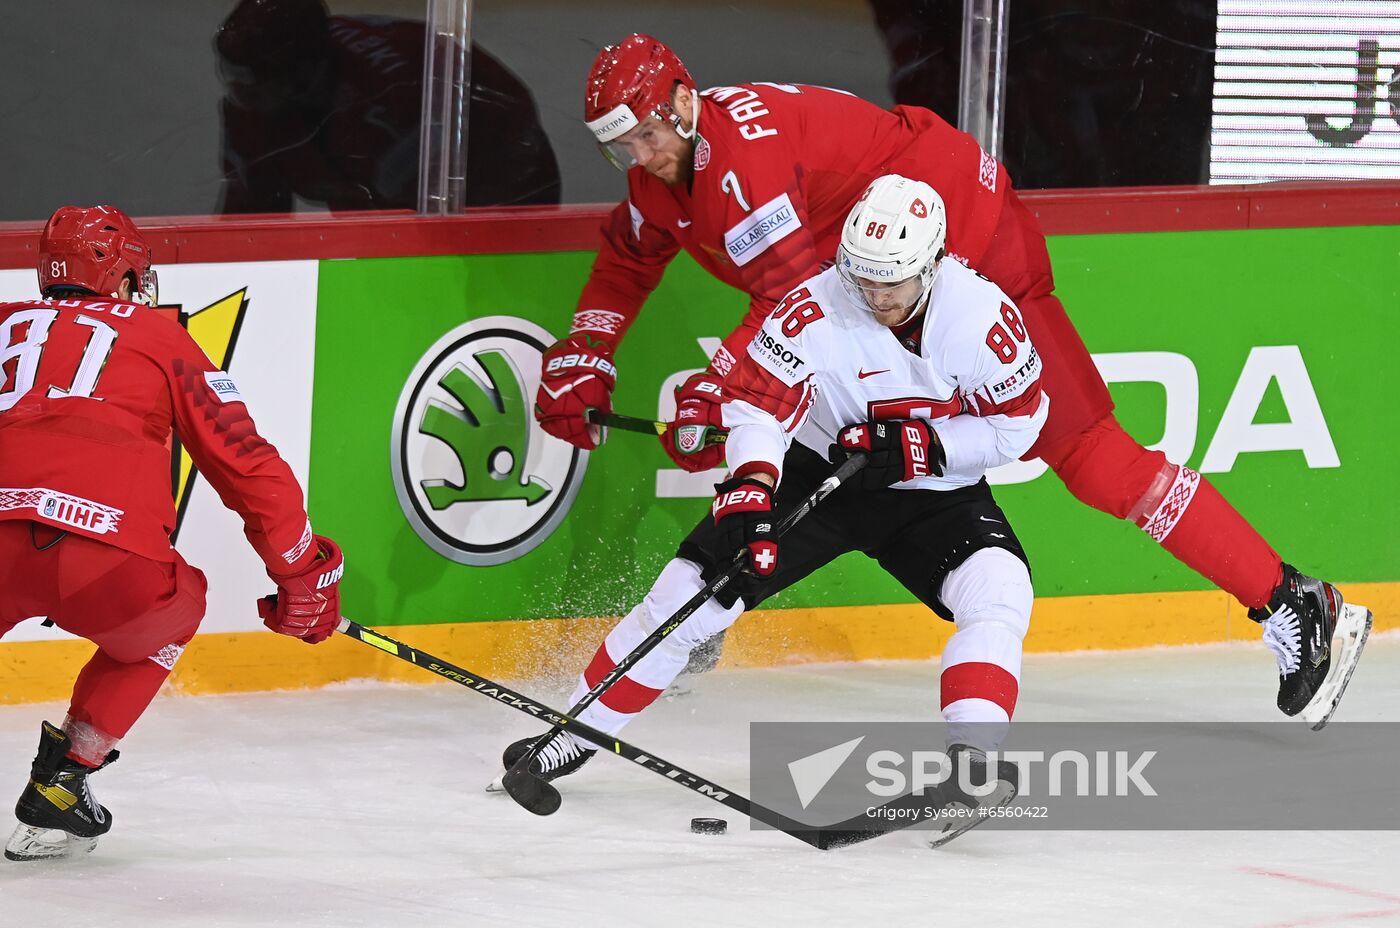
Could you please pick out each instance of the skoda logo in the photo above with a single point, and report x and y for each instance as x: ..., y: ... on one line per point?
x: 477, y: 479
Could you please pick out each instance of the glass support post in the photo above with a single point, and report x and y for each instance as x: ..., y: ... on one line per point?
x: 442, y: 153
x: 982, y: 87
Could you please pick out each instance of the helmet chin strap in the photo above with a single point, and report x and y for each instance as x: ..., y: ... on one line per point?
x: 922, y: 303
x: 919, y: 306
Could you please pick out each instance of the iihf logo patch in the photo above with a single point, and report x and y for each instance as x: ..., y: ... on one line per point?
x: 689, y: 438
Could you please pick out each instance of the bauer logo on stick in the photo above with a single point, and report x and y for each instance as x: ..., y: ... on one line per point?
x: 473, y: 473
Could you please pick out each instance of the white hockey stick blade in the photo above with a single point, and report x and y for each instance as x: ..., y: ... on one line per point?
x: 1347, y: 641
x: 31, y: 843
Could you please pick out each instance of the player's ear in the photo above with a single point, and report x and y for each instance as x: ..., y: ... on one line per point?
x: 682, y: 104
x: 124, y: 289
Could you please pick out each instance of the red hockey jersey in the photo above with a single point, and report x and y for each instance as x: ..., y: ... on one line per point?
x: 90, y: 390
x: 777, y: 167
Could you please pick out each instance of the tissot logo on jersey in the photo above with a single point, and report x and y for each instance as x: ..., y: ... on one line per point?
x: 760, y: 230
x: 777, y: 357
x: 1017, y: 383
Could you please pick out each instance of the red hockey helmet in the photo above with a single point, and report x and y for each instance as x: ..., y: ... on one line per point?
x: 631, y: 82
x: 95, y: 248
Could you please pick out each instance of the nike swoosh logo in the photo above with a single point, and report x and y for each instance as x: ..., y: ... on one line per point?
x: 985, y: 519
x: 683, y: 223
x: 861, y: 375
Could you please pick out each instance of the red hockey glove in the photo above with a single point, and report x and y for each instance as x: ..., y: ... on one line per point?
x: 697, y: 417
x: 577, y: 374
x: 743, y: 513
x: 307, y: 605
x: 900, y: 449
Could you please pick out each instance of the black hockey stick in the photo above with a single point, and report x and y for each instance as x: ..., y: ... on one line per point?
x: 540, y: 797
x: 645, y: 426
x: 515, y: 700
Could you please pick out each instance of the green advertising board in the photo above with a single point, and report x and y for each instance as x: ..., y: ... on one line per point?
x: 1260, y: 357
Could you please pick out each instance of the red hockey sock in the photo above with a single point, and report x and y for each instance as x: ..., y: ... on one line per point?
x: 1203, y: 531
x: 1104, y: 467
x: 110, y: 696
x: 626, y: 695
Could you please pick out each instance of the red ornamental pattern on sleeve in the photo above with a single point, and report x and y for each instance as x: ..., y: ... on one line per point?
x: 1160, y: 523
x: 597, y: 320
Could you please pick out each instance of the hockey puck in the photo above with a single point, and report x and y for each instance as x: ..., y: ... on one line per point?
x: 709, y: 826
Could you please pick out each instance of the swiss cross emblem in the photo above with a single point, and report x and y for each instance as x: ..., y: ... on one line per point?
x: 918, y: 208
x: 765, y: 557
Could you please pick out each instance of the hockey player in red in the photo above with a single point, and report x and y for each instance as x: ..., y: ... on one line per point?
x: 925, y: 366
x: 92, y: 383
x: 753, y: 182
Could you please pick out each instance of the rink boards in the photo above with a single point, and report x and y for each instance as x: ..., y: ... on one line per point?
x: 1259, y: 355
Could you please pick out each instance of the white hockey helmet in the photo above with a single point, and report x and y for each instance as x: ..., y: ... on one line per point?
x: 893, y: 234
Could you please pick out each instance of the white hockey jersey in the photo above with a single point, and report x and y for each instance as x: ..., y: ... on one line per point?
x: 821, y: 362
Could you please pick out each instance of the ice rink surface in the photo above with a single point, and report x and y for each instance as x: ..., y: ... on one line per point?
x: 362, y: 805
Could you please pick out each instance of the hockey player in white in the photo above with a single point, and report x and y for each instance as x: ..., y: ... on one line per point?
x: 925, y: 365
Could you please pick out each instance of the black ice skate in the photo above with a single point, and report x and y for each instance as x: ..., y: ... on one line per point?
x: 1317, y: 639
x: 58, y: 815
x: 561, y: 757
x: 961, y: 810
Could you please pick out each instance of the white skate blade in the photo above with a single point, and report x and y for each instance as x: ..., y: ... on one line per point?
x: 496, y: 786
x: 31, y: 843
x: 1347, y: 641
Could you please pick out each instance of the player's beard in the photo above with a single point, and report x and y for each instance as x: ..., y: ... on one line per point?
x: 676, y: 169
x: 895, y: 317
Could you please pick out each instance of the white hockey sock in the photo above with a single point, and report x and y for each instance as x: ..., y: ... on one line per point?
x: 678, y: 582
